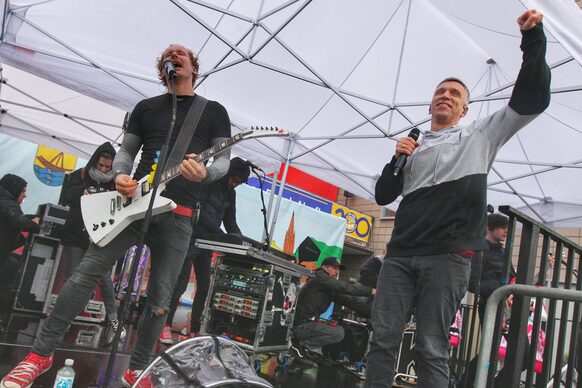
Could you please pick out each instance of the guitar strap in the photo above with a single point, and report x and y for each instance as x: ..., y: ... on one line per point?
x: 187, y: 131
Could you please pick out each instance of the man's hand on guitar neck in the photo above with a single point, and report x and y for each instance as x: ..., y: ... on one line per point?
x: 192, y: 170
x: 125, y: 185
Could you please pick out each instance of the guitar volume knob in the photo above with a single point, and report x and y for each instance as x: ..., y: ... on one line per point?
x: 95, y: 227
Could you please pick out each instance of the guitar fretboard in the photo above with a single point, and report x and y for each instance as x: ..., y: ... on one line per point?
x: 174, y: 171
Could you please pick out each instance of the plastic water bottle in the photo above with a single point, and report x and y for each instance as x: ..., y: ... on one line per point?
x: 65, y: 375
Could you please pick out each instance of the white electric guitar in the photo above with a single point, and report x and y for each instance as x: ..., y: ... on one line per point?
x: 106, y: 214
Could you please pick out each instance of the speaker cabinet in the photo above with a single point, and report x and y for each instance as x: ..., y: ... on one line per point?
x: 42, y: 258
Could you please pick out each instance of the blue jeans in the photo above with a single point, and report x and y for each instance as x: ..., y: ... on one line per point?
x: 435, y: 285
x: 168, y: 239
x: 73, y: 255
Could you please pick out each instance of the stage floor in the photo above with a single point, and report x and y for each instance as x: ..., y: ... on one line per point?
x: 84, y: 344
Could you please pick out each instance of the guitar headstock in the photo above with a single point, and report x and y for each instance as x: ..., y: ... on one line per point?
x: 264, y: 132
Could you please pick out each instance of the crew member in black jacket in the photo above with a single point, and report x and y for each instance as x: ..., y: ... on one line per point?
x: 95, y: 177
x: 218, y: 206
x: 314, y: 299
x: 12, y: 222
x: 492, y: 265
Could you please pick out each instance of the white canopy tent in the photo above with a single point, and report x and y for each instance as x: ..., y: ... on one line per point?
x: 346, y: 78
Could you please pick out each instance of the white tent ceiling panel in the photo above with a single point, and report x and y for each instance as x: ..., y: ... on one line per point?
x: 335, y: 73
x: 569, y: 29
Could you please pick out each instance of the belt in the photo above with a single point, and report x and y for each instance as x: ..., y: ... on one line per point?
x: 183, y: 211
x: 466, y: 253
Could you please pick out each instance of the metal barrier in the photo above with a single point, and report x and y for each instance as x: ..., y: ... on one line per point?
x: 562, y: 326
x: 484, y: 366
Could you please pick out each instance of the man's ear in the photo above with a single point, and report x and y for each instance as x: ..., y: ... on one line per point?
x: 465, y: 110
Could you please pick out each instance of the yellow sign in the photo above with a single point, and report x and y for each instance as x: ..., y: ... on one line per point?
x: 358, y: 226
x: 51, y: 165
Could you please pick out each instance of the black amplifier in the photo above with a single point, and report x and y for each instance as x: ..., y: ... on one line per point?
x: 252, y: 281
x: 43, y: 255
x: 251, y: 299
x: 52, y: 219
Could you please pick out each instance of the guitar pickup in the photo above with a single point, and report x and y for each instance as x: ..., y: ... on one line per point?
x: 118, y: 202
x: 112, y: 206
x: 145, y: 188
x: 126, y: 202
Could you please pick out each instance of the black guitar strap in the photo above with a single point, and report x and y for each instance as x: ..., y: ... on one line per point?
x: 187, y: 131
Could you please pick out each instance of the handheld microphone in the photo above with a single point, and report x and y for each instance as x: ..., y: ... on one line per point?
x: 401, y: 161
x: 253, y: 166
x: 169, y: 69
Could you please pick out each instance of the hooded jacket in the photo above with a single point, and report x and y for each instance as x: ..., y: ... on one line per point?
x: 218, y: 201
x: 491, y: 272
x: 74, y: 232
x: 13, y: 221
x: 320, y: 290
x: 444, y: 182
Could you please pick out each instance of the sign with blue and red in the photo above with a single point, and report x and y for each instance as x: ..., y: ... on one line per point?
x: 294, y: 194
x: 359, y: 225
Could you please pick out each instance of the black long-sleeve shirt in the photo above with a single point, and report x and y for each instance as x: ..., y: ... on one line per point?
x: 319, y: 291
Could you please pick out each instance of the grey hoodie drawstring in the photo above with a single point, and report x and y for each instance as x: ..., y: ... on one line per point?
x: 439, y: 158
x: 437, y: 161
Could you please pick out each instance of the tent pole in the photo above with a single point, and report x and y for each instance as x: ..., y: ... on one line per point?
x: 527, y: 174
x: 291, y: 145
x: 274, y: 182
x: 519, y: 196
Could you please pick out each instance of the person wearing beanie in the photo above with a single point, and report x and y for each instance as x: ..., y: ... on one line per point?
x: 95, y: 177
x: 12, y: 223
x: 310, y: 334
x: 218, y: 206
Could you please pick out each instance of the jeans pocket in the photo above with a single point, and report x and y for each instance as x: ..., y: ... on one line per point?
x: 459, y: 259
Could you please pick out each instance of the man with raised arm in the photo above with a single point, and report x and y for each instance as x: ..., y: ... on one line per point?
x: 442, y: 219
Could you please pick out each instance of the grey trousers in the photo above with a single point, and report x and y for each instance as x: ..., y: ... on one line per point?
x: 168, y: 239
x: 315, y: 335
x: 435, y: 285
x: 73, y: 256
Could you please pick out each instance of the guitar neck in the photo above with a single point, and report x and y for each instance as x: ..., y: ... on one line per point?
x: 174, y: 171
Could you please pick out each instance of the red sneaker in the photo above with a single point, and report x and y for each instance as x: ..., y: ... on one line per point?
x: 166, y: 336
x: 27, y: 371
x: 130, y: 377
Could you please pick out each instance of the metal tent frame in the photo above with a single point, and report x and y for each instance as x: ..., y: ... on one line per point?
x: 260, y: 38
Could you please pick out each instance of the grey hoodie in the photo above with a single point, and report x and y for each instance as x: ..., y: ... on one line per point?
x: 444, y: 183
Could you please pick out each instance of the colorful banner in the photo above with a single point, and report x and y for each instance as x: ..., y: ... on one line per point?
x: 358, y: 225
x: 42, y: 167
x: 296, y: 224
x: 294, y: 194
x: 50, y: 165
x: 305, y: 181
